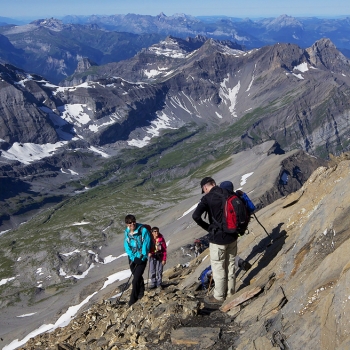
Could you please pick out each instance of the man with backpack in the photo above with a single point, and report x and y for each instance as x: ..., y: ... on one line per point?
x: 222, y: 245
x: 137, y: 242
x: 228, y: 185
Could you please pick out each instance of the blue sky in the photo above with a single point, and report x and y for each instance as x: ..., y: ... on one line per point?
x: 234, y: 8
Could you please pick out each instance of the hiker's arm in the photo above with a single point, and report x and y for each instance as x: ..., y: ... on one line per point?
x: 127, y: 249
x: 197, y: 215
x: 163, y: 243
x: 146, y: 245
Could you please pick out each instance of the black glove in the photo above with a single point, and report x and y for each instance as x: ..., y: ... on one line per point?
x: 138, y: 261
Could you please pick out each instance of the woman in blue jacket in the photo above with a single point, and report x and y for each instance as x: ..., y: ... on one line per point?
x: 137, y: 243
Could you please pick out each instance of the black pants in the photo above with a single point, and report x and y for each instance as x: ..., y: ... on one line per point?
x: 138, y: 284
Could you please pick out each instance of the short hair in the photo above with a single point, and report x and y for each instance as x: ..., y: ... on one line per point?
x: 129, y: 219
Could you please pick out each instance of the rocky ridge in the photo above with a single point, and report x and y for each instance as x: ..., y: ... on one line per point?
x: 280, y: 92
x: 294, y: 296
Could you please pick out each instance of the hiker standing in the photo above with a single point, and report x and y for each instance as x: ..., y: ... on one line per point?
x: 137, y: 243
x: 222, y: 246
x: 157, y: 259
x: 198, y: 247
x: 239, y: 262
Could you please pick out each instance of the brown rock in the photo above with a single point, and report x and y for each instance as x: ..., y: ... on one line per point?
x: 240, y: 299
x: 203, y: 336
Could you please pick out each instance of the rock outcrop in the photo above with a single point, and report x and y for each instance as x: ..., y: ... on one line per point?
x: 296, y: 294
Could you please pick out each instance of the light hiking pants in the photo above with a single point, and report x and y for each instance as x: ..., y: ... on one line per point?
x: 222, y: 259
x: 156, y: 271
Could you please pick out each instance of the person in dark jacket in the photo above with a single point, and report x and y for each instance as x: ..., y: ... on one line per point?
x: 137, y: 243
x: 243, y: 264
x: 222, y: 246
x: 157, y: 258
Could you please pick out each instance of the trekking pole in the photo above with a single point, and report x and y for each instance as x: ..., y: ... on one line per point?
x: 211, y: 278
x: 263, y: 227
x: 149, y: 267
x: 132, y: 272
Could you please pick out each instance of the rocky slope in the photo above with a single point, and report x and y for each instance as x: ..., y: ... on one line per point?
x: 294, y: 296
x: 58, y: 257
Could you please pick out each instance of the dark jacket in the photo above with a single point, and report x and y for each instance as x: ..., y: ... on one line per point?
x: 212, y: 203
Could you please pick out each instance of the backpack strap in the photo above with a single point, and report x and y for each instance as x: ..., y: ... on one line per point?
x: 223, y: 200
x: 138, y: 247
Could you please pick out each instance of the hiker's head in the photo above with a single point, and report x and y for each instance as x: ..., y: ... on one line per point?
x: 155, y: 232
x: 227, y: 185
x: 130, y: 221
x: 206, y: 184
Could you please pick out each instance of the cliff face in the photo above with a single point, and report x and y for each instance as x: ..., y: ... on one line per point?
x: 281, y: 92
x: 295, y: 295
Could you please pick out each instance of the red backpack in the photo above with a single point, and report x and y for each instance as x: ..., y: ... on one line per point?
x: 235, y: 216
x: 148, y: 227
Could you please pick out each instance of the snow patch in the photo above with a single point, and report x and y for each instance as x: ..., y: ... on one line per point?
x: 5, y: 280
x: 30, y: 152
x: 302, y: 67
x: 229, y: 95
x: 299, y: 76
x: 96, y: 150
x: 162, y: 122
x: 244, y: 178
x: 188, y: 211
x: 27, y: 315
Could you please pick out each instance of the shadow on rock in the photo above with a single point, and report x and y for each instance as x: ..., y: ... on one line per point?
x: 265, y: 252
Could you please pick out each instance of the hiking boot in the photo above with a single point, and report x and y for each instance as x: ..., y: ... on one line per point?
x: 246, y: 265
x: 152, y: 287
x: 211, y: 300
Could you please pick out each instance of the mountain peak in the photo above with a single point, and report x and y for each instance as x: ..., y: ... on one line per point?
x: 283, y: 21
x: 50, y: 23
x: 84, y: 64
x: 324, y: 53
x: 324, y: 43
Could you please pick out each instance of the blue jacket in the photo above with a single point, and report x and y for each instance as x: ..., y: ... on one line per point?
x: 137, y: 245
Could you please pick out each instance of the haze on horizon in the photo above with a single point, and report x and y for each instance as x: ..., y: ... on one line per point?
x: 233, y: 8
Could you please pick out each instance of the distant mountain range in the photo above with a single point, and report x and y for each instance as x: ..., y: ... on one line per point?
x: 251, y: 33
x: 53, y: 48
x: 176, y: 82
